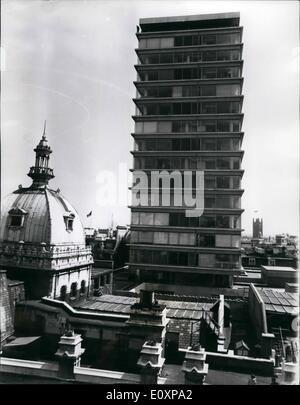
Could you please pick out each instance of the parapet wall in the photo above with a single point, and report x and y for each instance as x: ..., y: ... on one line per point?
x: 28, y: 368
x: 240, y: 363
x: 50, y: 370
x: 188, y: 291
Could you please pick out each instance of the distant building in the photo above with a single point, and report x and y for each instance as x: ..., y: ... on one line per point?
x: 257, y: 225
x: 261, y: 252
x: 109, y: 245
x: 254, y: 260
x: 281, y: 240
x: 257, y: 241
x: 110, y: 253
x: 89, y: 233
x: 275, y: 276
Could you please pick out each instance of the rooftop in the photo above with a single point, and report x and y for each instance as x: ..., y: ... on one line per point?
x: 173, y: 373
x: 22, y: 341
x: 14, y: 282
x: 214, y: 377
x: 200, y: 21
x: 278, y: 268
x: 279, y: 301
x: 99, y: 271
x: 120, y: 304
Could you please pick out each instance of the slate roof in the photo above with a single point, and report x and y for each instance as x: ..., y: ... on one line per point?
x: 121, y: 304
x: 279, y: 301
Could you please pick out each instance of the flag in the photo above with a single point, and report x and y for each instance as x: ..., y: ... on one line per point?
x: 89, y: 214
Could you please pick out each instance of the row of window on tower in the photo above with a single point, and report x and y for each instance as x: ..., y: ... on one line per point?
x: 181, y: 184
x: 187, y: 144
x: 195, y: 39
x: 188, y: 163
x: 211, y: 90
x: 221, y: 107
x: 216, y: 125
x: 190, y: 73
x: 190, y: 57
x: 182, y: 199
x: 190, y: 239
x: 174, y: 258
x: 181, y: 220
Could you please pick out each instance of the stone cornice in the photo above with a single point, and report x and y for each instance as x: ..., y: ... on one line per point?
x: 42, y: 256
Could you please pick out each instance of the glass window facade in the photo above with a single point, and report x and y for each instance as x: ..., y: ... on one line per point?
x: 188, y: 144
x: 186, y: 163
x: 190, y: 56
x: 196, y: 39
x: 198, y: 239
x: 179, y: 219
x: 189, y: 73
x: 189, y: 117
x: 183, y: 108
x: 183, y: 259
x: 213, y: 125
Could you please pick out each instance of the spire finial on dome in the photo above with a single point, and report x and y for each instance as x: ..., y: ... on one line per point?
x: 44, y: 132
x: 40, y: 172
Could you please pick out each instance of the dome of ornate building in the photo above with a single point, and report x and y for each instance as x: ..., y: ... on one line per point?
x: 42, y: 240
x: 40, y: 216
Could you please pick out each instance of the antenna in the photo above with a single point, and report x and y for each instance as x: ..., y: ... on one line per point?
x: 112, y: 221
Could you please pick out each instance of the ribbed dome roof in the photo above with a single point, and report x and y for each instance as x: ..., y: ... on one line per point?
x: 45, y: 213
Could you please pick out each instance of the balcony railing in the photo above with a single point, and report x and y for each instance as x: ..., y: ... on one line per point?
x: 41, y: 170
x: 43, y: 250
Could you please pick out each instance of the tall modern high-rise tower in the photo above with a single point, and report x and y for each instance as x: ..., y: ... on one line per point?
x: 189, y: 117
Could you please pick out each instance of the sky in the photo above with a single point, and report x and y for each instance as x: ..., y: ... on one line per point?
x: 72, y: 63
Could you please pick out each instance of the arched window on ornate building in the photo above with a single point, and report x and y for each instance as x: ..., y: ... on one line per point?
x: 82, y: 287
x: 63, y: 292
x: 73, y: 290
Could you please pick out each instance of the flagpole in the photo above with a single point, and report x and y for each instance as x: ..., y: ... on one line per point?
x: 89, y: 215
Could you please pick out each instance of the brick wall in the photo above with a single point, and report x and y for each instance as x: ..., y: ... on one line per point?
x: 183, y: 328
x: 16, y: 294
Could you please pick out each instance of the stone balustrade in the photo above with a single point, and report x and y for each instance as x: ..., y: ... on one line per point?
x: 45, y: 256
